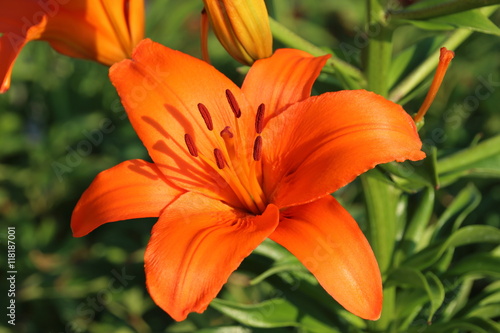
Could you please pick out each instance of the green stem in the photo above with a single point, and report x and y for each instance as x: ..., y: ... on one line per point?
x: 381, y: 204
x: 446, y: 8
x: 426, y: 68
x: 379, y: 49
x: 289, y: 38
x: 379, y: 61
x: 381, y: 197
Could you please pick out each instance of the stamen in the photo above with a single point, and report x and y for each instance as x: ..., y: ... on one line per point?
x: 219, y: 158
x: 190, y: 145
x: 206, y: 116
x: 233, y: 103
x: 259, y: 118
x: 257, y: 148
x: 444, y: 61
x: 226, y: 133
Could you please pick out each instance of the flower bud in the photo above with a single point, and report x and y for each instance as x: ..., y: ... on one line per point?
x: 242, y: 27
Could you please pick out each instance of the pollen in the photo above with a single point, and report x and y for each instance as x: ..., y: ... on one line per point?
x: 259, y: 118
x: 206, y: 116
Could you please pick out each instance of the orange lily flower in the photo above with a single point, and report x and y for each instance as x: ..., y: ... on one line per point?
x: 234, y: 166
x: 102, y: 30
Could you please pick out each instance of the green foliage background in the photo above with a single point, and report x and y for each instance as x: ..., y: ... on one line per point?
x: 61, y: 123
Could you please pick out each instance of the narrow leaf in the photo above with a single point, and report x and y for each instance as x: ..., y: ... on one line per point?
x: 464, y: 236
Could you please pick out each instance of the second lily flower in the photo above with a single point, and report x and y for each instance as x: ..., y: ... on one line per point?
x: 102, y: 30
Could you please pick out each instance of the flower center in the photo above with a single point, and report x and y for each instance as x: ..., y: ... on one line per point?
x: 241, y: 170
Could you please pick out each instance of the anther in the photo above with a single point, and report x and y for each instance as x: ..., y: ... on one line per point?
x: 206, y: 116
x: 219, y: 158
x: 259, y: 118
x: 257, y: 148
x: 233, y: 103
x: 226, y: 132
x: 190, y: 145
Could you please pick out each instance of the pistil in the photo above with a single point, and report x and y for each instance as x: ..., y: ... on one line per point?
x: 445, y: 58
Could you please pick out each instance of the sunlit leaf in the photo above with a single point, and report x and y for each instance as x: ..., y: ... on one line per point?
x: 464, y: 236
x: 480, y: 160
x: 270, y: 314
x: 479, y: 264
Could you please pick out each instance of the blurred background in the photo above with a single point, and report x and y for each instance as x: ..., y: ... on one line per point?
x: 62, y: 123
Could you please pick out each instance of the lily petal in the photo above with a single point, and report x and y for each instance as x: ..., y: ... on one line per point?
x: 326, y: 239
x: 105, y: 31
x: 132, y: 189
x: 283, y: 79
x: 16, y: 33
x: 98, y: 30
x: 196, y: 244
x: 324, y: 142
x: 161, y: 88
x: 135, y: 21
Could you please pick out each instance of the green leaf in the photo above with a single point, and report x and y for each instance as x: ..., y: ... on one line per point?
x: 458, y: 300
x: 463, y: 204
x: 413, y: 237
x: 486, y: 311
x: 413, y: 176
x: 436, y: 293
x: 272, y: 250
x: 486, y: 297
x: 464, y: 236
x: 476, y: 325
x: 473, y: 20
x: 409, y: 277
x: 272, y: 313
x: 482, y: 264
x: 480, y: 160
x: 287, y: 265
x: 225, y: 329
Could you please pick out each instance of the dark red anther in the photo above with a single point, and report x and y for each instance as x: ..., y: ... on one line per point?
x: 206, y: 116
x: 233, y: 103
x: 257, y: 148
x: 259, y: 118
x: 226, y: 131
x: 219, y: 158
x: 190, y: 145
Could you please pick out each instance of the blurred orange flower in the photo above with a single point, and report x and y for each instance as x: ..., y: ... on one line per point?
x: 234, y: 166
x: 102, y: 30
